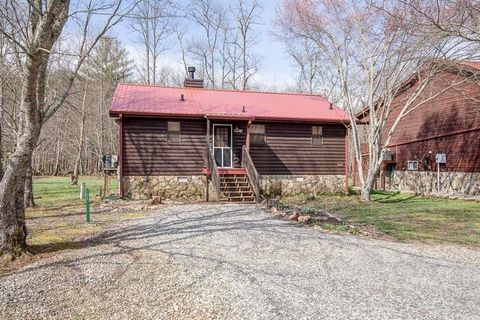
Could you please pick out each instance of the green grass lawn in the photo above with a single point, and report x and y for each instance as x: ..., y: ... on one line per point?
x: 59, y: 215
x: 57, y: 191
x: 401, y: 216
x: 409, y: 217
x: 58, y: 220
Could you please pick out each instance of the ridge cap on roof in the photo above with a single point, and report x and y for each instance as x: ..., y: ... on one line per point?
x: 223, y: 90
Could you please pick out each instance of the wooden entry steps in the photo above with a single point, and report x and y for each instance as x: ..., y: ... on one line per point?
x: 235, y: 186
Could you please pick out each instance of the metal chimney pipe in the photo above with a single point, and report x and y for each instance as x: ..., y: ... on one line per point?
x: 191, y: 72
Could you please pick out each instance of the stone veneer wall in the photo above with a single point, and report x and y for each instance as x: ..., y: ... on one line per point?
x: 289, y: 185
x: 166, y: 187
x: 192, y: 188
x: 425, y: 182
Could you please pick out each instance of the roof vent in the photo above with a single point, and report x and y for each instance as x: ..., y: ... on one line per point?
x: 190, y: 81
x: 182, y: 98
x: 331, y: 106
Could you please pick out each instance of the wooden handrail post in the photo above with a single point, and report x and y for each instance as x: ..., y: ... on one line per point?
x: 214, y: 174
x: 247, y: 139
x: 252, y: 173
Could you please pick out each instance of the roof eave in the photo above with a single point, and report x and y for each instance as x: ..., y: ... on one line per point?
x: 317, y: 120
x: 116, y: 113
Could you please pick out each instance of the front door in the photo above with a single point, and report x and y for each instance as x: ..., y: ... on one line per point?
x: 222, y: 145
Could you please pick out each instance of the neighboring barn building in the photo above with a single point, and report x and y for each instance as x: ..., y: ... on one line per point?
x: 448, y: 124
x: 246, y: 143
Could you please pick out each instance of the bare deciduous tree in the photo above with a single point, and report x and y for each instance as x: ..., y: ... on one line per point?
x: 152, y: 23
x: 247, y: 15
x: 449, y: 18
x: 372, y: 57
x: 210, y: 17
x: 33, y: 28
x: 309, y: 62
x: 81, y: 133
x: 225, y: 47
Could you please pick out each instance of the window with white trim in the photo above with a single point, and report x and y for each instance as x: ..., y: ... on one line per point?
x: 412, y: 165
x: 173, y: 131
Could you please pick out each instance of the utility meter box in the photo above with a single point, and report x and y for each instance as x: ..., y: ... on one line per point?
x: 388, y: 156
x: 110, y: 161
x: 441, y: 158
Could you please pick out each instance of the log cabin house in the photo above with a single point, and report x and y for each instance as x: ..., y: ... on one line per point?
x: 193, y: 143
x: 444, y: 129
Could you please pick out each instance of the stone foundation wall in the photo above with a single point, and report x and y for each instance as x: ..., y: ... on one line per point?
x: 190, y: 188
x: 423, y: 182
x: 283, y: 185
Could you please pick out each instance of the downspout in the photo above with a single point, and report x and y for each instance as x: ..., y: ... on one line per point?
x: 208, y: 173
x: 120, y: 156
x: 346, y: 160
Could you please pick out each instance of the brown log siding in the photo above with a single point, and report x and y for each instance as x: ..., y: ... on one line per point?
x: 289, y: 150
x: 452, y: 111
x: 146, y: 151
x: 462, y: 150
x: 424, y: 128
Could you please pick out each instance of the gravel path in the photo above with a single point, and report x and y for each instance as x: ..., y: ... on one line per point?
x: 237, y: 262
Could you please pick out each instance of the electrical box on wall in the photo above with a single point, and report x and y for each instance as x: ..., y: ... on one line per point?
x: 388, y: 156
x: 441, y: 158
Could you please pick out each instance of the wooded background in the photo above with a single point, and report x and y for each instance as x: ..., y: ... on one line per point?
x: 218, y: 38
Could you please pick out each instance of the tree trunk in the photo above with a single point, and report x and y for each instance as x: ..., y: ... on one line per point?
x: 57, y: 158
x: 367, y: 187
x: 81, y: 140
x: 365, y: 195
x: 28, y: 196
x: 13, y: 230
x: 1, y: 142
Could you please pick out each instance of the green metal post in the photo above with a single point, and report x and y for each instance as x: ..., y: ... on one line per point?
x: 87, y: 204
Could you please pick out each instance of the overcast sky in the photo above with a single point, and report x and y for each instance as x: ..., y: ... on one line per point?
x: 275, y: 64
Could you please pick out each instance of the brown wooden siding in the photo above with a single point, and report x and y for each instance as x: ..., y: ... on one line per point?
x: 462, y: 150
x: 452, y: 111
x: 289, y: 150
x: 146, y: 151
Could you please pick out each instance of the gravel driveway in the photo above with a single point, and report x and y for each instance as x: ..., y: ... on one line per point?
x: 237, y: 262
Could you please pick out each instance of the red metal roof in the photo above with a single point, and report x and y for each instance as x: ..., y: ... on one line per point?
x: 137, y: 99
